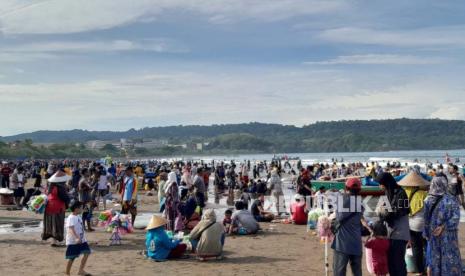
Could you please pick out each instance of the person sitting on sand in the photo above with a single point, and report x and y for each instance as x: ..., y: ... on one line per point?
x: 227, y: 221
x: 159, y: 246
x: 259, y: 212
x: 208, y: 236
x: 299, y: 210
x: 190, y: 209
x: 243, y: 222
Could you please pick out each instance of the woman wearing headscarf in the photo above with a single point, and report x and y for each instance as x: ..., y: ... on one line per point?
x: 277, y: 189
x: 161, y: 190
x: 187, y: 177
x: 208, y: 236
x: 171, y: 200
x: 442, y: 217
x: 396, y: 218
x: 57, y: 202
x: 416, y: 188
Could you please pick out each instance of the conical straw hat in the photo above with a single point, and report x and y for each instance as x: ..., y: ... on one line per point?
x: 413, y: 179
x: 155, y: 222
x: 59, y: 177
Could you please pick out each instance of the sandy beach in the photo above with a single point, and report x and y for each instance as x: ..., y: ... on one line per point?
x: 279, y: 249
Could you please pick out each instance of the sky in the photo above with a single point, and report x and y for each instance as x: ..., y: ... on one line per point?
x: 118, y: 64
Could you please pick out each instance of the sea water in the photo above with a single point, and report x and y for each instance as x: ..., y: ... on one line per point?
x: 432, y: 156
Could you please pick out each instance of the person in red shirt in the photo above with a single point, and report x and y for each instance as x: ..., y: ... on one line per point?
x: 299, y: 210
x: 57, y: 202
x: 377, y: 250
x: 5, y: 173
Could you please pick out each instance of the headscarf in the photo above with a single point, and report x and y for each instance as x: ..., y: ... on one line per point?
x: 389, y: 182
x: 171, y: 179
x: 396, y: 196
x: 438, y: 186
x: 209, y: 215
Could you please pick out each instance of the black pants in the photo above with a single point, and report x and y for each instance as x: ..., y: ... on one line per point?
x: 396, y: 258
x: 418, y: 249
x: 5, y: 182
x: 341, y: 260
x: 201, y: 199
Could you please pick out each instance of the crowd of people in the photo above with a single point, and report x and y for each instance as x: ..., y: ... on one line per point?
x: 423, y: 215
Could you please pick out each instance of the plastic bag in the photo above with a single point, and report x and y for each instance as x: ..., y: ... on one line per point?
x: 37, y: 204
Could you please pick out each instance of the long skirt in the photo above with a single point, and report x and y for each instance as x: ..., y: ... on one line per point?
x: 54, y: 226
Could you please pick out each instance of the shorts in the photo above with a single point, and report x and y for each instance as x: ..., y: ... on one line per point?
x: 75, y: 250
x: 19, y: 192
x: 102, y: 193
x: 129, y: 208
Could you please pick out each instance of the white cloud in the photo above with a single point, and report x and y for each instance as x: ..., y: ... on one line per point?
x: 69, y: 16
x: 218, y: 96
x: 155, y: 45
x: 16, y: 57
x: 379, y: 59
x: 451, y: 111
x: 428, y: 37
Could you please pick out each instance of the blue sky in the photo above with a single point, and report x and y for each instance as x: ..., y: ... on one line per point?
x: 118, y: 64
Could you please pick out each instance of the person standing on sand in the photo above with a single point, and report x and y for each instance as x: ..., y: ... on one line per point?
x: 172, y: 200
x: 17, y: 183
x: 347, y: 244
x: 128, y: 191
x: 84, y: 190
x: 161, y: 189
x: 76, y: 242
x: 277, y: 189
x: 6, y: 171
x: 416, y: 188
x: 57, y: 203
x: 200, y: 187
x: 304, y: 186
x: 442, y: 218
x: 455, y: 185
x: 397, y: 222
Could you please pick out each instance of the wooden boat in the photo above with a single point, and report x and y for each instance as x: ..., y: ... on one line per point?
x: 340, y: 185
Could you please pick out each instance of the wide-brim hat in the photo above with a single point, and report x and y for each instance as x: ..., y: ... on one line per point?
x: 413, y: 179
x: 155, y: 222
x: 59, y: 177
x: 298, y: 197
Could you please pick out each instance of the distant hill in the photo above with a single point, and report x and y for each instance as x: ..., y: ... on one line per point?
x: 337, y: 136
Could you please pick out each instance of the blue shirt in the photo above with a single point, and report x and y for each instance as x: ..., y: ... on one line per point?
x: 158, y: 244
x: 112, y: 170
x: 128, y: 189
x: 348, y: 239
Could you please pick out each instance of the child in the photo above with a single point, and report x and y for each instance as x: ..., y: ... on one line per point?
x: 320, y: 198
x: 75, y: 240
x: 227, y: 221
x: 377, y: 250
